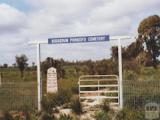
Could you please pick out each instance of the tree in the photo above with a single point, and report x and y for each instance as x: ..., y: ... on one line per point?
x: 22, y: 63
x: 14, y: 65
x: 149, y: 34
x: 5, y: 65
x: 50, y: 62
x: 146, y: 48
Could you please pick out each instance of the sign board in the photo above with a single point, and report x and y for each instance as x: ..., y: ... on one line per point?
x: 52, y: 86
x: 82, y: 39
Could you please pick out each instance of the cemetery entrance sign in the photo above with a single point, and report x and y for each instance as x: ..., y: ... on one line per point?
x: 80, y: 39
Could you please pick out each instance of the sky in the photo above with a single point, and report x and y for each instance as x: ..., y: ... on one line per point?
x: 22, y: 21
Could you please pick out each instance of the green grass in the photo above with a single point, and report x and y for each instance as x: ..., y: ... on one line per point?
x: 13, y: 75
x: 17, y: 92
x: 14, y: 96
x: 138, y: 93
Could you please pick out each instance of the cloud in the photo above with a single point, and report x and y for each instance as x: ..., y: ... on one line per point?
x: 11, y: 20
x: 118, y: 9
x: 59, y: 18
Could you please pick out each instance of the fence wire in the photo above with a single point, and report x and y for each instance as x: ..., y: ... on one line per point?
x: 137, y: 93
x: 18, y: 96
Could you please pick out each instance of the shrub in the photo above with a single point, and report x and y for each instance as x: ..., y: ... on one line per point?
x: 64, y: 96
x: 105, y: 106
x: 57, y: 99
x: 47, y: 103
x: 76, y: 105
x: 131, y: 65
x: 46, y: 116
x: 6, y: 116
x: 65, y: 117
x: 26, y: 112
x: 127, y: 114
x: 130, y: 75
x: 75, y: 89
x: 101, y: 115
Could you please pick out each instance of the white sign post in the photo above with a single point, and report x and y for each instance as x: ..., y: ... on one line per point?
x: 52, y: 86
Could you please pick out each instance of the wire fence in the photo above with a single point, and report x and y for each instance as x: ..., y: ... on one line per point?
x: 138, y: 93
x: 18, y: 95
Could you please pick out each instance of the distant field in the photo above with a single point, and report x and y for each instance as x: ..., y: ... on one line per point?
x: 13, y: 75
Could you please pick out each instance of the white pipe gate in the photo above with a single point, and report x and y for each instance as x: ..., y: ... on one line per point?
x: 100, y: 87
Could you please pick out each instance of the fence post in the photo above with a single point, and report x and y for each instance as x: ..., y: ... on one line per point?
x: 120, y: 72
x: 39, y: 77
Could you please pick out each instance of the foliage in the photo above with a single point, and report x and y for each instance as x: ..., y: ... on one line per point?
x: 128, y: 114
x: 131, y: 66
x: 63, y: 96
x: 105, y: 106
x: 65, y: 117
x: 57, y: 99
x: 21, y: 63
x: 149, y: 34
x: 130, y: 75
x: 146, y: 46
x: 50, y: 62
x: 7, y: 116
x: 26, y: 111
x: 101, y: 115
x: 46, y: 116
x: 76, y: 105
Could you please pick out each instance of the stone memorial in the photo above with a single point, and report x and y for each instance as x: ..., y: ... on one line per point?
x: 52, y: 85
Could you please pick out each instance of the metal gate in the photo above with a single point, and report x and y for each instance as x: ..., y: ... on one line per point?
x: 99, y: 87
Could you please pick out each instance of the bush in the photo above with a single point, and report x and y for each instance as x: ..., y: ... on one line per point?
x: 101, y: 115
x: 48, y: 103
x: 76, y: 106
x: 64, y: 96
x: 105, y: 106
x: 75, y: 89
x: 65, y: 117
x: 127, y: 114
x: 46, y: 116
x: 6, y: 116
x: 130, y: 75
x: 57, y: 99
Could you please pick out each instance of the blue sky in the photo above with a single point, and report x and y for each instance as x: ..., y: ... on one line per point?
x: 18, y: 4
x: 22, y: 21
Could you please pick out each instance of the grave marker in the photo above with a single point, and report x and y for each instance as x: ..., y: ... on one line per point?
x: 52, y: 80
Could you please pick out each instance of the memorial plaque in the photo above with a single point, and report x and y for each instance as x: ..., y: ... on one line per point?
x: 52, y: 86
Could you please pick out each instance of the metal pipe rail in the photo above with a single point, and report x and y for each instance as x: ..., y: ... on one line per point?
x: 99, y: 87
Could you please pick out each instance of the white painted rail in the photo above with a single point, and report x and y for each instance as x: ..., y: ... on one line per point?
x: 99, y: 87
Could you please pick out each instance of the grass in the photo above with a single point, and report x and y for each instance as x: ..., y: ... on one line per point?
x: 15, y: 92
x: 13, y: 75
x: 138, y: 93
x: 14, y: 96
